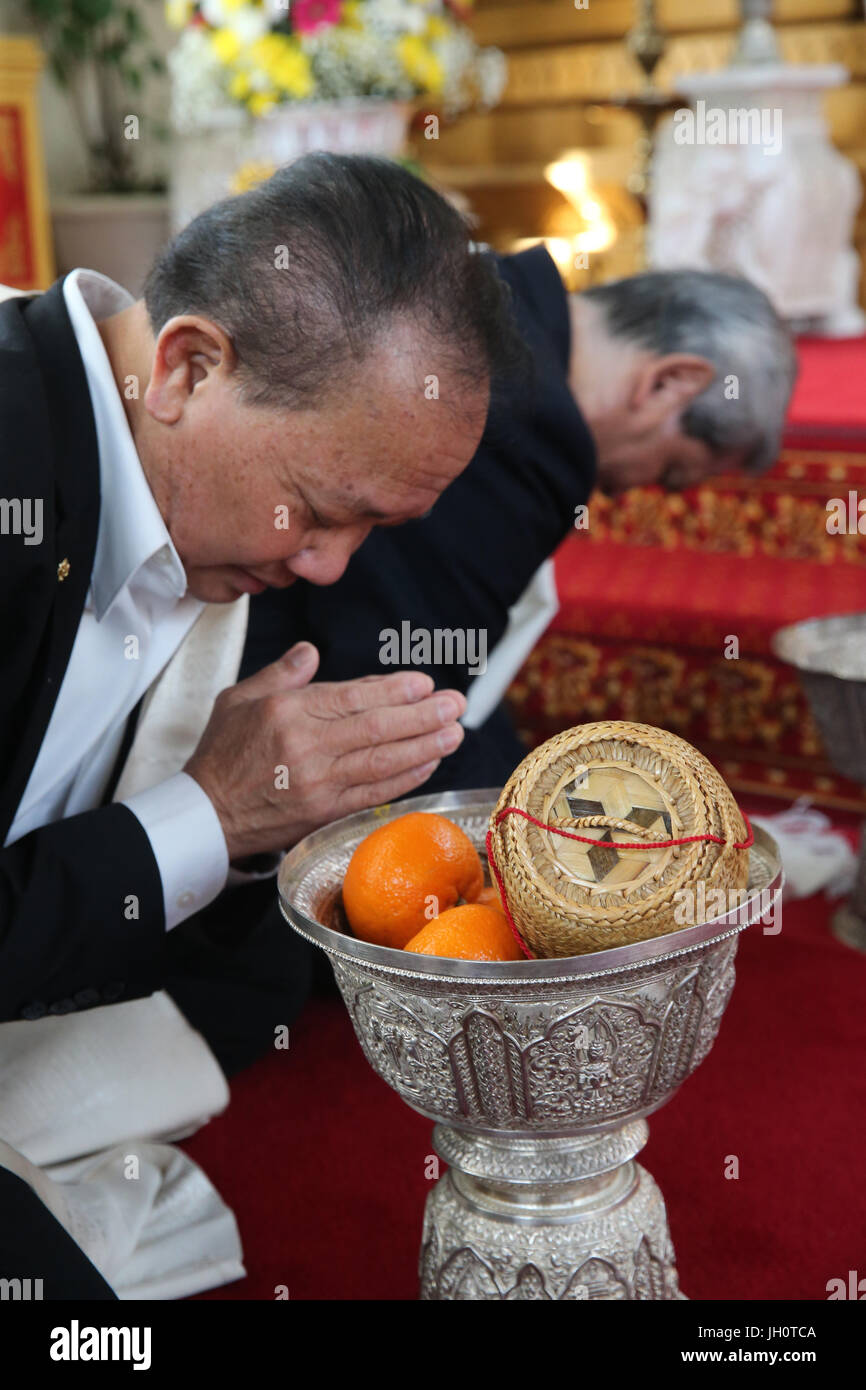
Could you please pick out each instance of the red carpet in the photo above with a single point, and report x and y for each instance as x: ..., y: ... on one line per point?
x: 829, y: 404
x: 701, y: 599
x: 324, y: 1165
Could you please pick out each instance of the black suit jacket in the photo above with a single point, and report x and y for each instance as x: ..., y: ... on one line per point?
x: 65, y: 939
x: 471, y: 558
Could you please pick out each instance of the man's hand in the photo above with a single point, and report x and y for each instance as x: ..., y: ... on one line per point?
x: 340, y: 747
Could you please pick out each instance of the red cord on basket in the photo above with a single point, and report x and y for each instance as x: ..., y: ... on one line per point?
x: 588, y: 840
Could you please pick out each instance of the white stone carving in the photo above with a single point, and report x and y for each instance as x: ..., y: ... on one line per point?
x: 775, y: 202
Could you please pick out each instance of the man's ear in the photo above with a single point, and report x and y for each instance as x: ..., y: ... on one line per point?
x: 188, y: 351
x: 671, y: 382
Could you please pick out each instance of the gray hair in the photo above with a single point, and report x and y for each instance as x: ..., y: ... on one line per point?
x: 732, y: 324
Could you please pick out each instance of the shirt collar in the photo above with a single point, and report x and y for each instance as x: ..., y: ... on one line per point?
x: 131, y: 529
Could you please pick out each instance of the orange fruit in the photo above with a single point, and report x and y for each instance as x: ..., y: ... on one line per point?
x: 406, y: 872
x: 469, y: 932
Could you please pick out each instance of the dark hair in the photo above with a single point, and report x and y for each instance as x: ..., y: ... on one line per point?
x: 730, y: 322
x: 363, y: 241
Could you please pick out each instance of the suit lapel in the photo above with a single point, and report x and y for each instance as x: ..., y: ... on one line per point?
x: 53, y: 454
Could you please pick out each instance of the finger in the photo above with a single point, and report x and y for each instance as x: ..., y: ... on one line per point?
x: 336, y: 699
x: 386, y: 760
x: 459, y: 698
x: 293, y: 670
x: 392, y: 723
x: 376, y: 793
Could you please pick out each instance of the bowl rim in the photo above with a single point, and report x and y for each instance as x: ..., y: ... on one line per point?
x: 391, y: 961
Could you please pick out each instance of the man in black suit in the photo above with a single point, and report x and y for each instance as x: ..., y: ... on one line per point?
x: 288, y: 412
x: 660, y: 378
x: 233, y: 430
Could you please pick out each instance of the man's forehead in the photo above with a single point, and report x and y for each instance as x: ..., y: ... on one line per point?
x: 394, y: 484
x: 403, y: 503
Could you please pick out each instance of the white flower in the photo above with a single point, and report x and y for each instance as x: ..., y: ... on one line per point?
x: 215, y: 12
x: 355, y: 63
x: 492, y: 70
x: 396, y: 16
x: 197, y: 80
x: 249, y: 22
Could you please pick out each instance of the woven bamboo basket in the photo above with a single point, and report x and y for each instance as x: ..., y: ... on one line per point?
x: 614, y: 784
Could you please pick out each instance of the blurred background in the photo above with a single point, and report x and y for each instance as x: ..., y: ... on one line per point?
x: 531, y: 133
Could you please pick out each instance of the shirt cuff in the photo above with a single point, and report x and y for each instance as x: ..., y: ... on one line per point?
x: 187, y: 842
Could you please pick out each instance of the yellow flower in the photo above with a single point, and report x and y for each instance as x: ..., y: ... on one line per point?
x: 438, y: 27
x: 262, y: 102
x: 226, y: 45
x: 250, y: 174
x: 351, y: 15
x: 240, y: 86
x: 266, y: 50
x: 421, y: 63
x: 285, y: 65
x: 178, y: 12
x: 293, y: 75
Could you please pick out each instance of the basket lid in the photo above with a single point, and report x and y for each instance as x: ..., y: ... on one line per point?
x: 582, y: 836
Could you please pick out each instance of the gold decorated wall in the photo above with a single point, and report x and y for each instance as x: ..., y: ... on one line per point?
x: 563, y: 61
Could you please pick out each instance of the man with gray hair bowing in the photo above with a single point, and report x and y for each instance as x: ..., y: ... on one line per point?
x: 310, y: 360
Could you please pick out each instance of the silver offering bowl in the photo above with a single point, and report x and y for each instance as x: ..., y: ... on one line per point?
x: 830, y: 655
x: 538, y: 1075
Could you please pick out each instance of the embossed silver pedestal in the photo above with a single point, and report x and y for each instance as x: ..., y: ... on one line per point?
x: 830, y: 655
x: 556, y: 1219
x: 537, y: 1073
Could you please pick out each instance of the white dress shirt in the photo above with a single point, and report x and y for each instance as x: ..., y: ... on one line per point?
x: 528, y: 618
x: 136, y: 615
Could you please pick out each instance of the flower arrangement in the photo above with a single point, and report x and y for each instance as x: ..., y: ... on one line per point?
x: 259, y: 55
